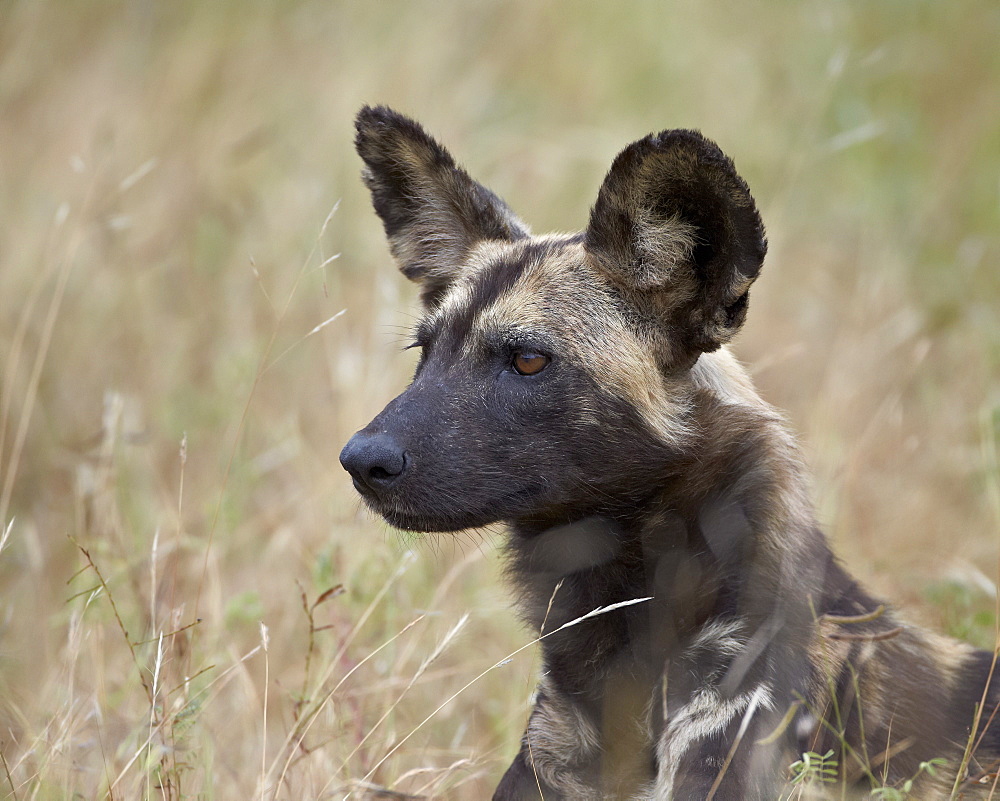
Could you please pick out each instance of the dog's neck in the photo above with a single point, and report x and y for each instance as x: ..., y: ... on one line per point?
x: 718, y: 541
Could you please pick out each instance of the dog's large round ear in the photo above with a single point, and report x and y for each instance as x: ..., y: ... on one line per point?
x: 432, y: 211
x: 674, y: 223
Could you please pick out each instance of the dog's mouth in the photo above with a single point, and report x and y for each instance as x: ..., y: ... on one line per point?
x: 371, y: 498
x: 408, y: 519
x: 421, y: 522
x: 446, y: 515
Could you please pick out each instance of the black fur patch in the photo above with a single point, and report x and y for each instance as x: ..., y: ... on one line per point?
x: 493, y: 282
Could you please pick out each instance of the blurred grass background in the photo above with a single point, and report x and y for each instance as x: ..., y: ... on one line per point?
x: 167, y: 175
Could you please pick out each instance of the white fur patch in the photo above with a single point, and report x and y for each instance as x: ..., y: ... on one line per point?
x: 707, y: 714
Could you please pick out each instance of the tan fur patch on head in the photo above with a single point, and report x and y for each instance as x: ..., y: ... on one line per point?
x: 566, y: 300
x: 459, y: 294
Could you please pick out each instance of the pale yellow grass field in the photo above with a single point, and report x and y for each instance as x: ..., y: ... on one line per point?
x: 167, y: 175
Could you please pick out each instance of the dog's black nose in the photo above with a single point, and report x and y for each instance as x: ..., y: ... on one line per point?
x: 374, y: 461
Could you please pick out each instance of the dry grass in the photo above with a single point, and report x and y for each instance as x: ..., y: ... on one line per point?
x: 172, y: 406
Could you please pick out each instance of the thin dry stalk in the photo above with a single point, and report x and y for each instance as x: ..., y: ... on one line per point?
x: 444, y: 643
x: 118, y: 617
x: 601, y: 610
x: 299, y: 733
x: 264, y: 639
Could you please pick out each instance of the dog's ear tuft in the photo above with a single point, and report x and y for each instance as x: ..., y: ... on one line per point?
x: 433, y: 212
x: 674, y: 223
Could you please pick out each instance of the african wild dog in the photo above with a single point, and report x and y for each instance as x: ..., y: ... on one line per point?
x: 576, y: 388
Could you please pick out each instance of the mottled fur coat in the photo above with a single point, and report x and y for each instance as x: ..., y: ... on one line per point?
x: 576, y: 388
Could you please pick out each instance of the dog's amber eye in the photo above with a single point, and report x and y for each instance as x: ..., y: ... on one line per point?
x: 530, y: 363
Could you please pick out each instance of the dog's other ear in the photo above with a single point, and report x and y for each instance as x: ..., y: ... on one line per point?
x: 677, y: 227
x: 433, y: 212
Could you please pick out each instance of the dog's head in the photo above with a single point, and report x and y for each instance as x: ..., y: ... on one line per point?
x: 555, y: 371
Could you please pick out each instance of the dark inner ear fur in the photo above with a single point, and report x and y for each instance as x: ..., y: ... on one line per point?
x: 676, y: 227
x: 433, y: 212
